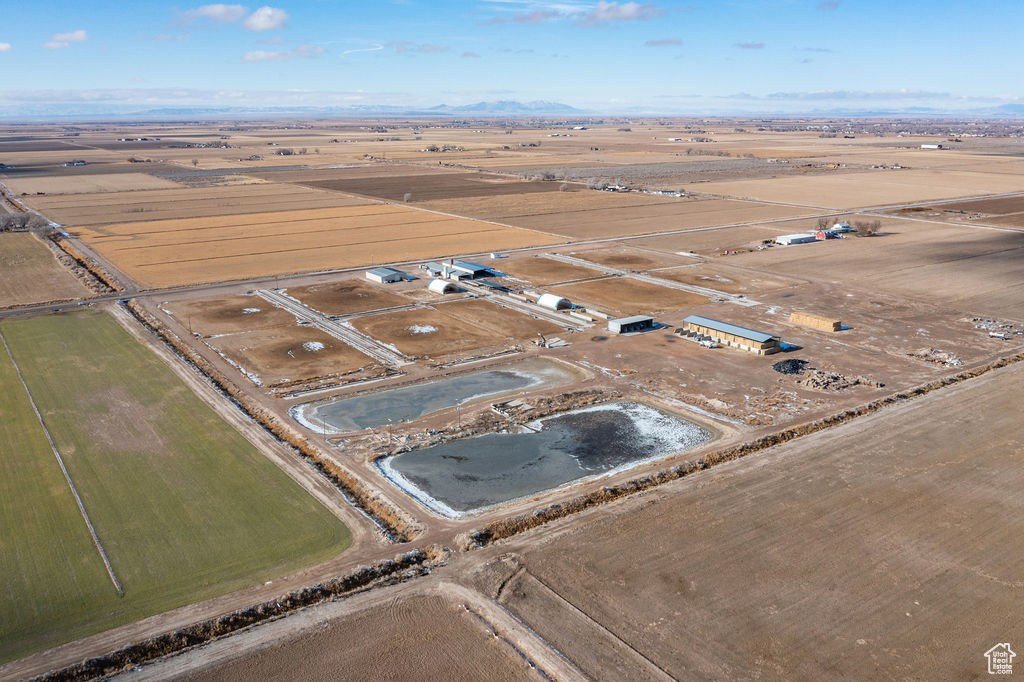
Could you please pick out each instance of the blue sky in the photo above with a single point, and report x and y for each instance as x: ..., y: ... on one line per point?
x: 672, y: 56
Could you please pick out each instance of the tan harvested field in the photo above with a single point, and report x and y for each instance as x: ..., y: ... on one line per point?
x: 870, y: 188
x: 427, y: 332
x: 506, y: 207
x: 347, y: 296
x: 30, y: 273
x: 169, y: 252
x: 883, y: 547
x: 424, y: 187
x: 505, y: 321
x: 623, y: 297
x: 541, y: 271
x: 614, y: 222
x: 712, y: 242
x: 422, y: 637
x: 86, y: 184
x: 85, y: 210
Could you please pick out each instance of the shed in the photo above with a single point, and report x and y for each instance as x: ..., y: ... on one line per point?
x: 629, y: 325
x: 553, y: 302
x: 441, y: 286
x: 435, y: 269
x: 734, y: 335
x: 385, y: 275
x: 800, y: 238
x: 471, y: 269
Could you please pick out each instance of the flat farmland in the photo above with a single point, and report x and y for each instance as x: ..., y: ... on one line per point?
x: 86, y: 184
x: 869, y: 188
x: 169, y: 252
x: 185, y: 507
x: 427, y: 634
x: 425, y: 187
x: 32, y: 274
x: 712, y: 242
x: 505, y: 207
x: 657, y: 217
x: 543, y: 271
x: 631, y: 257
x: 623, y: 296
x: 86, y: 210
x: 884, y: 546
x: 228, y: 314
x: 427, y: 332
x: 505, y: 321
x: 347, y: 297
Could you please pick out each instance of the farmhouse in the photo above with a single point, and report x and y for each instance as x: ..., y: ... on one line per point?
x: 629, y: 325
x: 385, y: 275
x: 800, y: 238
x: 733, y: 335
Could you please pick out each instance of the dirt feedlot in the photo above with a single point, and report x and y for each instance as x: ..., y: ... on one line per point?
x: 427, y: 332
x: 184, y: 506
x: 623, y: 296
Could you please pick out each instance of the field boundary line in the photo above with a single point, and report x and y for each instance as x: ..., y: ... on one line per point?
x: 67, y: 476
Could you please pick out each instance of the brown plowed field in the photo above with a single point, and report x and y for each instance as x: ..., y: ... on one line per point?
x: 886, y: 546
x: 83, y: 210
x: 631, y: 258
x: 725, y: 278
x: 347, y: 296
x: 504, y: 321
x: 543, y: 271
x: 29, y: 272
x: 622, y: 296
x: 504, y: 208
x: 1000, y: 206
x: 435, y: 186
x: 709, y: 242
x: 426, y: 332
x: 426, y: 638
x: 170, y: 252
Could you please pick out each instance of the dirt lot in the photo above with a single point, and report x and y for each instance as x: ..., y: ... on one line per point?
x: 890, y: 521
x: 347, y: 296
x: 541, y: 271
x: 290, y: 355
x: 82, y: 210
x: 435, y: 186
x: 504, y: 321
x: 631, y: 257
x: 431, y: 636
x: 228, y: 314
x: 230, y: 247
x: 427, y: 332
x: 621, y: 296
x: 710, y: 242
x: 31, y: 273
x: 85, y: 184
x: 732, y: 280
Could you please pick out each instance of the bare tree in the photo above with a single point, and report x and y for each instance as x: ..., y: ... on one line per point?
x: 563, y: 187
x: 407, y: 197
x: 822, y: 223
x: 195, y: 162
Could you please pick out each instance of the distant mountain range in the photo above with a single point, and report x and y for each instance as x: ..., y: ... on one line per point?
x: 119, y: 110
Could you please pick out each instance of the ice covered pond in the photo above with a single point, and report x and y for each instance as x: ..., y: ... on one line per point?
x: 411, y: 402
x: 467, y: 475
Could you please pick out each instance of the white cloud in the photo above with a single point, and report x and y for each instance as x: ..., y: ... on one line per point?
x: 179, y: 38
x: 266, y: 19
x: 376, y: 48
x: 5, y: 47
x: 302, y: 51
x: 220, y: 13
x: 61, y: 40
x: 626, y: 11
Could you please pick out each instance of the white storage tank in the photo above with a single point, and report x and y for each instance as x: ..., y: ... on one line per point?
x: 553, y: 302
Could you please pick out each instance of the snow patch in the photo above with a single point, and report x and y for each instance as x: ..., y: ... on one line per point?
x: 250, y: 311
x: 422, y: 329
x: 312, y: 346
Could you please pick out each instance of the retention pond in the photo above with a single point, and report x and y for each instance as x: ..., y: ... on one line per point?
x: 467, y: 476
x: 396, y: 405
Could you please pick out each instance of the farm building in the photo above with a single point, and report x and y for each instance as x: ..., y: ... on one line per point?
x: 385, y: 275
x: 801, y: 238
x: 816, y: 321
x: 441, y: 286
x: 733, y: 335
x: 931, y: 146
x: 553, y: 302
x: 629, y: 325
x: 471, y: 270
